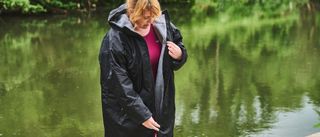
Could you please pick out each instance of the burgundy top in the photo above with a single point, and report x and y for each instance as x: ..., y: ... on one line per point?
x: 154, y: 48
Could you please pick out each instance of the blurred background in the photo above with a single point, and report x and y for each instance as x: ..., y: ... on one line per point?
x: 252, y: 71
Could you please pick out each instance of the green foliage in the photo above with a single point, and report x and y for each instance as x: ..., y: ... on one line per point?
x: 36, y: 6
x: 23, y: 6
x: 59, y: 4
x: 240, y: 8
x: 244, y: 8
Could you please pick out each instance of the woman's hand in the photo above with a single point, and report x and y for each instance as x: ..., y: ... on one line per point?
x: 151, y: 124
x: 174, y: 51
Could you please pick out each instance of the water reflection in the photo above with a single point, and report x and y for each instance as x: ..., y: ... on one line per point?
x: 238, y: 81
x: 49, y: 70
x: 243, y: 82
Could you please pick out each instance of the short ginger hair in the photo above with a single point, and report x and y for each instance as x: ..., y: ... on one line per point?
x: 135, y: 9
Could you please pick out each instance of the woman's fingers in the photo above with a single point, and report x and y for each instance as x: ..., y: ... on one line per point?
x: 156, y: 124
x: 172, y: 54
x: 155, y: 128
x: 172, y: 45
x: 174, y: 50
x: 151, y: 124
x: 170, y: 42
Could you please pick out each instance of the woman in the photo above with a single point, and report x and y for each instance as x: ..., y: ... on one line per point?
x: 137, y: 58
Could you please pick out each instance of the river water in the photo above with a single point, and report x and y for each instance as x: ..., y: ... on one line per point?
x: 242, y: 78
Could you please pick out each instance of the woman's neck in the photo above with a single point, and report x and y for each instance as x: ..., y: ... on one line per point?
x: 143, y: 31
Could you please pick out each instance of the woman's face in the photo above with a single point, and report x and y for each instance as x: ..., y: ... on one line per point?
x: 145, y: 20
